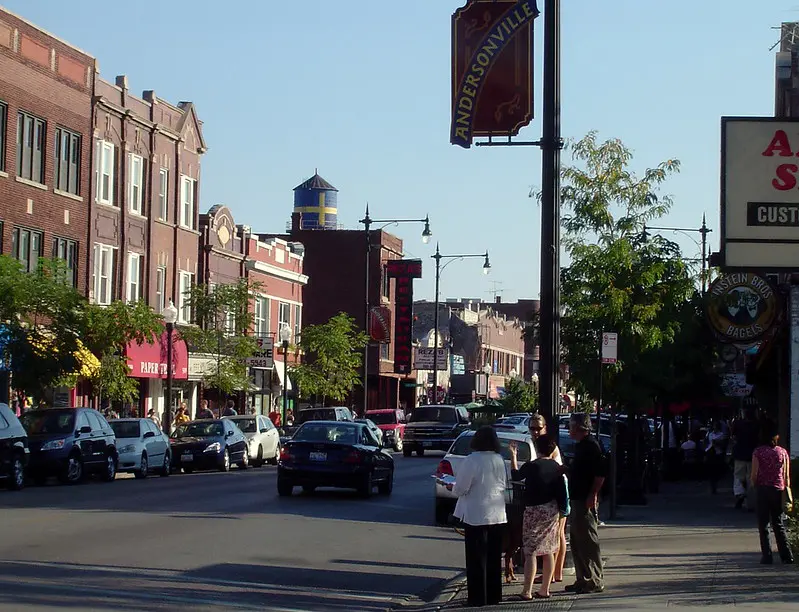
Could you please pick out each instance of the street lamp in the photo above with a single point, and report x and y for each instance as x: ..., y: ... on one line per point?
x: 704, y: 230
x: 438, y: 257
x: 367, y: 224
x: 285, y: 336
x: 170, y: 315
x: 487, y: 372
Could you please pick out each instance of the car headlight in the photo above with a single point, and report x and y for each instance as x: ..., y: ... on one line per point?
x: 130, y: 448
x: 53, y: 445
x: 213, y: 448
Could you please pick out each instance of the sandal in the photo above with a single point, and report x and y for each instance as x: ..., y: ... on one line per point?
x: 520, y: 597
x: 538, y: 595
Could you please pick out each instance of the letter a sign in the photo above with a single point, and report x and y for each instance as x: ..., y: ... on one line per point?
x: 610, y: 341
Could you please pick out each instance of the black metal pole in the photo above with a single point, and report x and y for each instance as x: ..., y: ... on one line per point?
x: 601, y: 383
x: 285, y: 380
x: 367, y: 224
x: 168, y: 409
x: 437, y: 257
x: 551, y: 145
x: 704, y: 231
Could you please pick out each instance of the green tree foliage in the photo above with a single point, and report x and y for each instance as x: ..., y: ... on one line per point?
x: 520, y: 396
x: 223, y: 321
x: 333, y: 359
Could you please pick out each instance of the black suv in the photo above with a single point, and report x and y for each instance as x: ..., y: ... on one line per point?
x: 434, y: 428
x: 13, y: 449
x: 69, y: 443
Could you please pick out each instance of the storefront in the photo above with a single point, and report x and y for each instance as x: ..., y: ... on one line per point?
x: 148, y: 363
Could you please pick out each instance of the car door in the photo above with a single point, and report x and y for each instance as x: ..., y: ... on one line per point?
x: 83, y: 439
x: 99, y: 442
x: 6, y: 442
x: 153, y: 443
x: 268, y: 436
x: 235, y: 440
x: 378, y: 457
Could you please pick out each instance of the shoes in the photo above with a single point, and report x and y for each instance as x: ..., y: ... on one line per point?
x: 587, y: 589
x: 766, y: 560
x: 739, y: 502
x: 573, y: 588
x: 787, y: 561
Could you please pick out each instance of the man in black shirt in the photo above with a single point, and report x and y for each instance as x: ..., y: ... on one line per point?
x: 745, y: 439
x: 586, y: 476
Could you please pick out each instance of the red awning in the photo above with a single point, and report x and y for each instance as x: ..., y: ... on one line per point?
x: 150, y: 361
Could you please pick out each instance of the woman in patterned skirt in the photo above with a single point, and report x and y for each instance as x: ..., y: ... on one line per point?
x: 545, y: 499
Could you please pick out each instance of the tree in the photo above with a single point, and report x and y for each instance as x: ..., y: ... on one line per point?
x: 333, y: 359
x: 520, y: 396
x: 223, y: 320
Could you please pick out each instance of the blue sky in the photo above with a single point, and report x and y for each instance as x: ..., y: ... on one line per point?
x: 361, y: 90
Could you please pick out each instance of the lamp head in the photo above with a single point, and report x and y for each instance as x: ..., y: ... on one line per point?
x: 487, y: 368
x: 426, y: 233
x: 486, y: 265
x: 170, y: 313
x: 285, y: 333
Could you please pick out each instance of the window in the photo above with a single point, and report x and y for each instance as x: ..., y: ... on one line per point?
x: 163, y: 195
x: 230, y: 323
x: 384, y: 351
x: 136, y: 183
x: 261, y: 317
x: 94, y: 422
x: 297, y: 320
x: 160, y: 288
x: 104, y: 273
x: 283, y: 315
x: 30, y: 147
x: 104, y: 176
x: 3, y: 134
x: 67, y: 161
x: 26, y: 246
x: 67, y: 250
x: 184, y: 299
x: 188, y: 201
x: 134, y: 277
x: 385, y: 287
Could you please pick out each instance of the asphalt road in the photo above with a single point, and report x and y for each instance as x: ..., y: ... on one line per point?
x: 214, y: 541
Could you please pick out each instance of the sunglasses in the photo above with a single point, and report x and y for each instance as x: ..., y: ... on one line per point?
x: 536, y: 428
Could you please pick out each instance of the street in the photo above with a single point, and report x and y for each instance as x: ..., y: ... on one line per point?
x: 222, y: 541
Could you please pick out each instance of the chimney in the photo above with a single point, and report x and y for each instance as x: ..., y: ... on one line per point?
x: 122, y: 82
x: 295, y: 221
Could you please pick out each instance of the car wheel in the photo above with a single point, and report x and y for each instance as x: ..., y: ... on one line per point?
x: 365, y: 490
x: 308, y: 488
x: 225, y: 465
x: 259, y: 459
x: 407, y: 452
x: 273, y: 460
x: 385, y: 488
x: 398, y: 445
x: 284, y: 488
x: 16, y: 475
x: 166, y: 469
x: 144, y: 467
x: 73, y: 470
x: 110, y: 472
x: 442, y: 512
x: 420, y: 452
x: 245, y: 460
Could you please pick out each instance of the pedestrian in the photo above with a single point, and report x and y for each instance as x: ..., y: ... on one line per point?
x: 154, y: 417
x: 480, y: 488
x: 771, y: 475
x: 586, y: 476
x: 181, y: 416
x: 230, y: 409
x: 545, y: 501
x: 274, y: 416
x: 205, y: 412
x: 715, y: 454
x: 289, y: 418
x: 745, y: 439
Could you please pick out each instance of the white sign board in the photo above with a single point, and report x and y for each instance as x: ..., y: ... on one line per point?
x: 610, y: 341
x: 264, y: 357
x: 423, y: 358
x: 759, y: 193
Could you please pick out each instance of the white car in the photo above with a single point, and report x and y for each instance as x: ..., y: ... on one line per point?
x: 376, y: 431
x: 448, y: 466
x: 263, y: 438
x: 517, y: 423
x: 142, y: 447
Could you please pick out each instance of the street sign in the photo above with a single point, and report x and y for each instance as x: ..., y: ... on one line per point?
x: 610, y: 341
x: 264, y: 356
x: 423, y: 358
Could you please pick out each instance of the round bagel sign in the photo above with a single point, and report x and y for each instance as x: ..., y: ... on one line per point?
x: 741, y: 307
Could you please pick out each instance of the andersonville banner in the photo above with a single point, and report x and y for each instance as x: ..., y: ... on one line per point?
x: 492, y: 68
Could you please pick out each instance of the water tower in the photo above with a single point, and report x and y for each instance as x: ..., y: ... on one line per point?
x: 316, y: 199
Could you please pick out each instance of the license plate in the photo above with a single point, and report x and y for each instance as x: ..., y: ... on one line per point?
x: 187, y: 457
x: 427, y: 444
x: 313, y: 456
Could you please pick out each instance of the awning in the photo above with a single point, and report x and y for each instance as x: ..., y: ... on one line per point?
x: 150, y: 360
x: 279, y: 371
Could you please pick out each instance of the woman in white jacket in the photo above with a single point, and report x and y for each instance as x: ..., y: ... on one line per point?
x: 480, y: 487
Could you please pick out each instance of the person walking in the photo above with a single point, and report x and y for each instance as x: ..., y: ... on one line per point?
x: 480, y: 488
x: 154, y: 417
x: 230, y: 409
x: 205, y: 412
x: 745, y: 438
x: 715, y: 452
x: 545, y: 501
x: 181, y: 416
x: 771, y: 475
x: 586, y: 476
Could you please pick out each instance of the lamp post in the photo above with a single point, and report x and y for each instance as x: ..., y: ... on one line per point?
x: 170, y: 315
x: 285, y: 336
x: 367, y: 224
x: 438, y: 257
x: 704, y: 230
x: 487, y: 372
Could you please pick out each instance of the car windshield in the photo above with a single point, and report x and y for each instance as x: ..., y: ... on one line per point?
x: 343, y: 434
x: 246, y: 425
x: 317, y: 414
x: 434, y: 413
x: 463, y: 447
x: 126, y: 429
x: 199, y: 430
x: 511, y: 421
x: 383, y: 418
x: 43, y: 422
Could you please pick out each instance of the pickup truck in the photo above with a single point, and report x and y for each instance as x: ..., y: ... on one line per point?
x: 434, y: 427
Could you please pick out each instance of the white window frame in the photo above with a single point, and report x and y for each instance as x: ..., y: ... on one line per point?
x: 280, y: 320
x: 133, y: 293
x: 297, y: 322
x: 261, y: 319
x: 184, y: 305
x: 106, y: 172
x: 135, y: 183
x: 160, y: 288
x: 188, y: 201
x: 163, y: 194
x: 103, y: 266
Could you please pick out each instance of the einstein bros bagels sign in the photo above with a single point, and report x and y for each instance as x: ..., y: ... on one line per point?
x: 741, y: 307
x: 759, y: 193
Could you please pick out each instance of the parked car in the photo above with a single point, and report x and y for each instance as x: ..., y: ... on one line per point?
x: 434, y: 428
x: 208, y: 444
x: 263, y: 439
x: 376, y: 431
x: 142, y: 447
x: 518, y: 423
x: 334, y: 454
x: 14, y: 452
x: 392, y: 424
x: 70, y: 443
x: 444, y: 498
x: 566, y: 445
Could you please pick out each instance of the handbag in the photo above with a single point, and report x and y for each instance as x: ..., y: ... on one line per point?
x: 787, y: 500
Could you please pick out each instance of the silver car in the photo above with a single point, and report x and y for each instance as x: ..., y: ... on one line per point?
x: 142, y: 447
x: 263, y: 438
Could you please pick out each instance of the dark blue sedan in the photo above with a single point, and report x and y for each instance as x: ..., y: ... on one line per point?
x: 335, y: 454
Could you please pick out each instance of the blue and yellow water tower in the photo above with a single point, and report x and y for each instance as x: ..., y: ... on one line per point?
x: 317, y: 200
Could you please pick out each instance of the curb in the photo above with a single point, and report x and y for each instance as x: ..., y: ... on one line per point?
x: 434, y: 598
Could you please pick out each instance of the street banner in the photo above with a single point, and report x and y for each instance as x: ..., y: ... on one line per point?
x: 492, y: 68
x: 423, y: 358
x: 610, y: 341
x: 264, y: 356
x: 404, y: 271
x: 380, y: 324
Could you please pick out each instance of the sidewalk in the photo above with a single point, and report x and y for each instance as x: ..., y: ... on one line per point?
x: 686, y: 549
